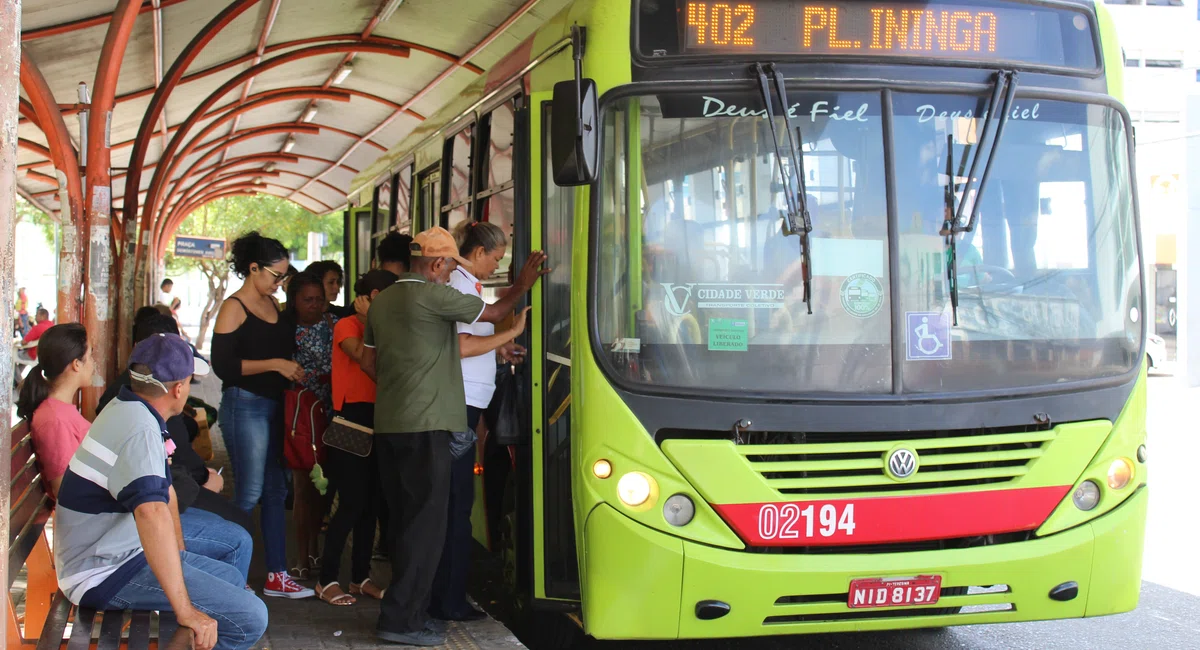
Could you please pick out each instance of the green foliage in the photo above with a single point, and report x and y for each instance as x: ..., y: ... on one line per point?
x: 28, y: 212
x: 272, y: 216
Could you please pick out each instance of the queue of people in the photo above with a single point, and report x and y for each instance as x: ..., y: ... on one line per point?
x: 130, y: 482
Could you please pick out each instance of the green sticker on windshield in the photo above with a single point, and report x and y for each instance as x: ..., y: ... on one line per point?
x: 862, y: 295
x: 728, y: 335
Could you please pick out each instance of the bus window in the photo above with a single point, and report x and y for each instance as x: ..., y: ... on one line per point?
x: 382, y: 213
x: 457, y: 179
x: 711, y: 291
x: 496, y: 193
x: 428, y: 198
x: 1049, y: 275
x: 404, y: 199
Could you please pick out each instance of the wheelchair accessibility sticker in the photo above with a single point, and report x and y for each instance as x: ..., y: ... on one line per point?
x: 928, y: 335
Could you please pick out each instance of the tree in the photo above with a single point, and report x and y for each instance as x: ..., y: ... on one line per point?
x: 27, y: 211
x: 230, y: 217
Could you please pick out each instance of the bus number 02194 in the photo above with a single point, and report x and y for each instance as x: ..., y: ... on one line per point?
x: 790, y: 521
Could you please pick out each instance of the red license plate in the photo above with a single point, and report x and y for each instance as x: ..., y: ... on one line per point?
x: 894, y: 592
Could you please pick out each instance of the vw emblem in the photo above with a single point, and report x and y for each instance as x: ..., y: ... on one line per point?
x: 902, y: 463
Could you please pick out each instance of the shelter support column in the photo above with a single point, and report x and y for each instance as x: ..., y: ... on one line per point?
x: 10, y: 85
x: 104, y: 240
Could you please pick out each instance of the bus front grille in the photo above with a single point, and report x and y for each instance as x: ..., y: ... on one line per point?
x: 843, y: 464
x: 824, y: 608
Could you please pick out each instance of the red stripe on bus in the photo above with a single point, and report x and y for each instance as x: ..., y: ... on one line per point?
x: 891, y: 519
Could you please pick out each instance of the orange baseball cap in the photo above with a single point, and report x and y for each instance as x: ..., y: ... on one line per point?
x: 437, y: 242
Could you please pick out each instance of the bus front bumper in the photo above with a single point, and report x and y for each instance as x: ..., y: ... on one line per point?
x: 641, y: 583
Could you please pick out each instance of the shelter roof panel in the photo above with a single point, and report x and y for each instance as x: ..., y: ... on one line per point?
x: 183, y: 21
x: 39, y: 14
x: 298, y: 19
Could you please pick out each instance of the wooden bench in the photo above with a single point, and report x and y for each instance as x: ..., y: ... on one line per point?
x: 47, y: 610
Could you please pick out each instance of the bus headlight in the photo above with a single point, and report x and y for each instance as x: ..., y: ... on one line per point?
x: 634, y: 489
x: 679, y: 510
x: 1120, y: 473
x: 1086, y: 496
x: 602, y: 469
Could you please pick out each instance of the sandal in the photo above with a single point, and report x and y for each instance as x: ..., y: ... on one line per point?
x: 361, y: 589
x: 299, y: 573
x: 340, y: 599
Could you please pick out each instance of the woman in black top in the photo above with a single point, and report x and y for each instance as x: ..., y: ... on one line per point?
x: 252, y: 354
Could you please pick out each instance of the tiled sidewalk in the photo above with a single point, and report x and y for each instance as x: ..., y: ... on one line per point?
x: 314, y: 625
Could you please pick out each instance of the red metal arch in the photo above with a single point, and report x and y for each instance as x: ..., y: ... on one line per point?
x: 71, y: 109
x: 41, y: 178
x: 159, y: 178
x: 218, y: 193
x: 241, y: 176
x: 383, y: 101
x: 249, y: 134
x: 30, y: 145
x: 261, y: 99
x: 157, y: 184
x: 216, y: 179
x: 227, y: 141
x: 62, y: 155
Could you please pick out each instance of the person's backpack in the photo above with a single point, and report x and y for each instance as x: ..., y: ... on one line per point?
x: 304, y: 422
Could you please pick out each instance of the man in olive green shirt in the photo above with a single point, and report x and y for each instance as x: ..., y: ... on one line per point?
x: 411, y: 350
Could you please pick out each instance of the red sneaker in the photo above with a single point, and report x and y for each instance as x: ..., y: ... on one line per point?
x: 281, y: 585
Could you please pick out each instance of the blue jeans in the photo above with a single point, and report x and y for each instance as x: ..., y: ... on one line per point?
x: 252, y: 427
x: 207, y: 534
x: 215, y: 588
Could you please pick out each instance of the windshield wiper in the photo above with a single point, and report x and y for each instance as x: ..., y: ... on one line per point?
x: 1006, y: 85
x: 797, y: 220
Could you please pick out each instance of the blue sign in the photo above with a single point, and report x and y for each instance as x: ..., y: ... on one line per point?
x: 205, y: 248
x: 928, y: 335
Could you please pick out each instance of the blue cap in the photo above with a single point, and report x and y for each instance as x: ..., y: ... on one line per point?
x: 170, y: 359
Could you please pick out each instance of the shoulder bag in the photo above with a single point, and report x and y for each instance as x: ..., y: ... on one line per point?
x: 349, y: 437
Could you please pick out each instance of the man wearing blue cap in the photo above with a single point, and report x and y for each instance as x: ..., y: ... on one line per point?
x: 118, y: 539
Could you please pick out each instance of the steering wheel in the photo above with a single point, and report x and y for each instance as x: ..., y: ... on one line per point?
x: 976, y: 272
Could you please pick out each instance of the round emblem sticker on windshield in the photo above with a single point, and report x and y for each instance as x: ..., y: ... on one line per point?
x: 862, y: 295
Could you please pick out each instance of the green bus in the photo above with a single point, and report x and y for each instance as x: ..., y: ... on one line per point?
x: 845, y: 329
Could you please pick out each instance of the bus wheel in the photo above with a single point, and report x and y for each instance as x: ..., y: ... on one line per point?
x: 540, y: 630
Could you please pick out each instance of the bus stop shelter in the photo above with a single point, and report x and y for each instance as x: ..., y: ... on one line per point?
x: 118, y: 118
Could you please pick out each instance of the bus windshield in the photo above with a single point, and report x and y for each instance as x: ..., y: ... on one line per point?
x: 699, y: 288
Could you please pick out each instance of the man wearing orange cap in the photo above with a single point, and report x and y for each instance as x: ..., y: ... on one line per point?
x: 411, y: 350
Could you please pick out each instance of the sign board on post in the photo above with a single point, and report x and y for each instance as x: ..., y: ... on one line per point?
x: 205, y: 248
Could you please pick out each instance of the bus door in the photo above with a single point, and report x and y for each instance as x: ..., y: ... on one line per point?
x: 556, y: 570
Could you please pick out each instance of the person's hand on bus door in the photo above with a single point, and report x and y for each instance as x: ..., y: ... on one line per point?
x: 531, y: 272
x: 502, y: 309
x: 512, y: 353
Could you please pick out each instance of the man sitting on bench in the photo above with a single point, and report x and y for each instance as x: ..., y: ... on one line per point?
x: 118, y: 541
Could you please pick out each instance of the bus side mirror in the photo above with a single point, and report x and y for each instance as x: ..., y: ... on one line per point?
x: 574, y: 132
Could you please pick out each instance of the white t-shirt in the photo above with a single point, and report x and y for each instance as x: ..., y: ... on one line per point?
x: 165, y: 298
x: 479, y: 373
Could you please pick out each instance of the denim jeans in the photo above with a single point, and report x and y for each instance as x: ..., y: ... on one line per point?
x: 215, y: 588
x: 252, y: 427
x: 207, y: 534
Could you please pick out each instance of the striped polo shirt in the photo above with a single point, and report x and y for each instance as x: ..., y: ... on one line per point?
x: 121, y: 464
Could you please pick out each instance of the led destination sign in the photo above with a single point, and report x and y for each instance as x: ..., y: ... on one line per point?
x: 983, y: 31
